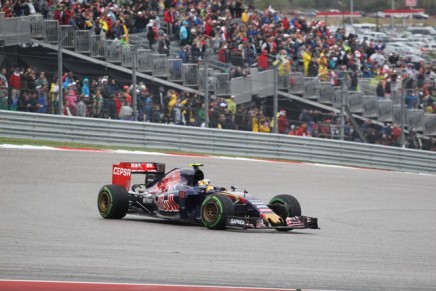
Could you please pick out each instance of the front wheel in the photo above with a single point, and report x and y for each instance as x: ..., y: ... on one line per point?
x: 285, y: 205
x: 113, y: 201
x: 215, y: 209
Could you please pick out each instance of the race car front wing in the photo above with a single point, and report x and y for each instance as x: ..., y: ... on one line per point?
x: 296, y: 222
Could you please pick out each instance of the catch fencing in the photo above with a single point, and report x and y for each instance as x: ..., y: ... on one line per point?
x: 145, y: 135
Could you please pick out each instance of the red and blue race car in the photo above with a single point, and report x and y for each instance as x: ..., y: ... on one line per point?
x: 184, y: 195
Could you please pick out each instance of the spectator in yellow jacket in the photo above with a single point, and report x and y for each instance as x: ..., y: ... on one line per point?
x: 264, y: 126
x: 244, y: 17
x: 322, y: 67
x: 231, y: 106
x: 306, y: 60
x: 173, y: 100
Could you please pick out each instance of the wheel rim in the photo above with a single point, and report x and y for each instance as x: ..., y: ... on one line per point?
x: 211, y: 212
x: 104, y: 202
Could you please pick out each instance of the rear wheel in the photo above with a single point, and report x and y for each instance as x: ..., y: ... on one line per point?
x: 214, y: 211
x: 113, y: 201
x: 285, y: 205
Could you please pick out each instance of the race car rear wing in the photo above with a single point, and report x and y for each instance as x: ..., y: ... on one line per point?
x: 122, y: 172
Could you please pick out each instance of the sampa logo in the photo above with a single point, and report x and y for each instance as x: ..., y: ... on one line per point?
x: 235, y: 221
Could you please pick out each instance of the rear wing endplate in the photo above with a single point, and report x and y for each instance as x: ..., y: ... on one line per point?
x: 122, y: 172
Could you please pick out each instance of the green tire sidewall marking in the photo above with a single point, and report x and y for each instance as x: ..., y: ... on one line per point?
x: 218, y: 202
x: 111, y: 203
x: 278, y: 200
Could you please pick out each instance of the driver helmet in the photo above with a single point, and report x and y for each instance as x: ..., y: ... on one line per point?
x: 206, y: 184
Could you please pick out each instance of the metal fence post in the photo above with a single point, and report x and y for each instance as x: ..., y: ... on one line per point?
x: 275, y: 101
x: 341, y: 130
x: 60, y: 83
x: 206, y: 91
x: 134, y: 101
x: 402, y: 138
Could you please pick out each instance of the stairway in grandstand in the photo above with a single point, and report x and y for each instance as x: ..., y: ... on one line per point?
x: 170, y: 71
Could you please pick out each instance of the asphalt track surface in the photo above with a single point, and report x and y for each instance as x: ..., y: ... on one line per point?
x: 378, y: 228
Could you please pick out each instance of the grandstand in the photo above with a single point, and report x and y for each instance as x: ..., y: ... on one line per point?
x: 32, y: 41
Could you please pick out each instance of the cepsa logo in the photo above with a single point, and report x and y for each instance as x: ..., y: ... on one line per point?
x: 121, y: 172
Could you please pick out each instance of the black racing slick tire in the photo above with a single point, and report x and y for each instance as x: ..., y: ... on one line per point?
x: 215, y: 209
x: 289, y: 202
x: 113, y: 201
x: 291, y: 207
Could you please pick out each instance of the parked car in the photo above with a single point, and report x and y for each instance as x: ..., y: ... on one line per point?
x: 421, y: 16
x: 379, y: 14
x: 379, y: 37
x: 422, y: 30
x: 399, y: 48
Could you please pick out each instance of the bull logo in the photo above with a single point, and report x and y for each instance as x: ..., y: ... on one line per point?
x: 167, y: 204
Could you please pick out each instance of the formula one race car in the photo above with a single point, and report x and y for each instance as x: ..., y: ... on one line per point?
x: 185, y: 195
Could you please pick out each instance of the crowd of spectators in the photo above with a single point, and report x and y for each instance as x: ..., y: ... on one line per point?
x: 30, y: 91
x: 240, y: 35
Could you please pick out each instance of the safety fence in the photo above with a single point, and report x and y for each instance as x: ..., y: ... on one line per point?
x: 51, y: 31
x: 14, y: 31
x: 368, y: 86
x: 369, y: 106
x: 429, y: 124
x: 310, y: 87
x: 324, y: 92
x: 127, y: 55
x: 151, y: 136
x: 175, y: 70
x: 83, y: 41
x: 260, y: 83
x: 190, y: 75
x: 365, y: 102
x: 354, y: 99
x: 385, y: 111
x: 296, y: 83
x: 415, y: 119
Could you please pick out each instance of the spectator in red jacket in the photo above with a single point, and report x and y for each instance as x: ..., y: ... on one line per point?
x: 208, y: 27
x: 168, y: 19
x: 7, y: 9
x: 222, y: 54
x: 263, y: 61
x: 302, y: 130
x: 14, y: 83
x: 282, y: 122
